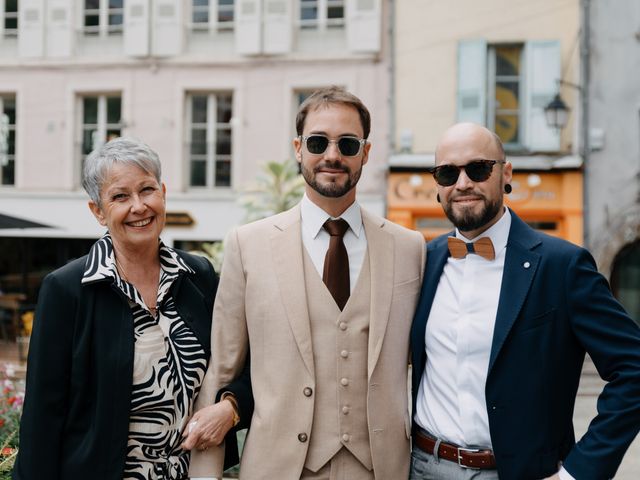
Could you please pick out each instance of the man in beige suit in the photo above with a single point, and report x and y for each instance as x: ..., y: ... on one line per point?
x: 329, y: 378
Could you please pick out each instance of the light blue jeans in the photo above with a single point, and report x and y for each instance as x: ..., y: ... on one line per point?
x: 425, y: 466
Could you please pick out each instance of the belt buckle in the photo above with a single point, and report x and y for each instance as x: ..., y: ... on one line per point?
x: 470, y: 450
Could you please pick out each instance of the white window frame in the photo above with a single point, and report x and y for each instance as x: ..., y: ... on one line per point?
x: 211, y: 127
x: 101, y: 127
x: 492, y: 80
x: 9, y: 32
x: 11, y: 127
x: 322, y: 20
x: 213, y: 9
x: 103, y: 28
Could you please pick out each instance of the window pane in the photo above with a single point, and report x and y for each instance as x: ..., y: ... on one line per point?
x: 507, y: 95
x: 87, y: 141
x: 113, y: 133
x: 225, y: 16
x: 224, y: 109
x: 223, y: 142
x: 11, y: 6
x: 225, y: 2
x: 92, y: 4
x: 223, y: 173
x: 90, y: 110
x: 198, y: 174
x: 200, y: 3
x: 91, y: 20
x: 200, y: 16
x: 508, y: 60
x: 11, y: 142
x: 9, y: 105
x: 198, y: 141
x: 115, y: 3
x: 199, y: 109
x: 8, y: 173
x: 625, y: 279
x: 335, y: 12
x: 507, y: 128
x: 10, y: 23
x: 113, y: 109
x: 308, y: 13
x: 115, y: 19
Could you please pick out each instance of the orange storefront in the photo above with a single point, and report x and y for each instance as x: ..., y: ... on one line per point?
x: 550, y: 201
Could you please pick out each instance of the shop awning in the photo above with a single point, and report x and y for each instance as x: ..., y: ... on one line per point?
x: 7, y: 221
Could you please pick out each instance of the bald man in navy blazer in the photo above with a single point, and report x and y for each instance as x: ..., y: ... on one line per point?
x: 498, y: 343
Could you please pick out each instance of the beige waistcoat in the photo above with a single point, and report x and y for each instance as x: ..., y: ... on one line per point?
x: 339, y: 342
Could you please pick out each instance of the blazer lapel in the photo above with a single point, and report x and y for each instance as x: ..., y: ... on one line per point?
x: 437, y: 255
x: 380, y: 245
x: 287, y: 251
x: 520, y: 267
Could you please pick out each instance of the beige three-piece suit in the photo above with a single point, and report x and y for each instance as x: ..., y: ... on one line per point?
x: 324, y: 381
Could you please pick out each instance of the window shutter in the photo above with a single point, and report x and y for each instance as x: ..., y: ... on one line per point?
x: 31, y: 28
x: 248, y: 27
x: 60, y: 29
x: 167, y: 32
x: 364, y: 25
x: 278, y: 26
x: 542, y: 63
x: 472, y: 81
x: 136, y: 28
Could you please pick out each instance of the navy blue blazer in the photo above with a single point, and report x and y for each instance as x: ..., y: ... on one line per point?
x: 554, y: 306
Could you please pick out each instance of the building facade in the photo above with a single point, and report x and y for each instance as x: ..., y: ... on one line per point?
x: 211, y: 85
x: 613, y: 171
x: 496, y: 64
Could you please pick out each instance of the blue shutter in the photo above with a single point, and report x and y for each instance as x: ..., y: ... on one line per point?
x: 543, y: 70
x: 472, y: 81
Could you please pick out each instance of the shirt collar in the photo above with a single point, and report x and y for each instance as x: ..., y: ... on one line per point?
x: 498, y: 232
x: 313, y: 217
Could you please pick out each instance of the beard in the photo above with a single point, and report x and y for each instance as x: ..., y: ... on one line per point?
x: 466, y: 220
x: 333, y: 188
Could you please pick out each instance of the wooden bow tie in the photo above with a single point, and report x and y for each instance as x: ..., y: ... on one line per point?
x: 483, y: 247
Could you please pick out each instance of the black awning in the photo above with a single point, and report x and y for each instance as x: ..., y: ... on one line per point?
x: 7, y: 221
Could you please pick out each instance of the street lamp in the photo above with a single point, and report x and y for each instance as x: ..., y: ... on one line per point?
x: 557, y: 113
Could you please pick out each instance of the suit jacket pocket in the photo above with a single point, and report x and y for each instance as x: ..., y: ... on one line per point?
x: 526, y: 323
x: 406, y: 288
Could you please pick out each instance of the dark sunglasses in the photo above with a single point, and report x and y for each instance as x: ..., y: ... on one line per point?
x: 318, y: 144
x: 476, y: 170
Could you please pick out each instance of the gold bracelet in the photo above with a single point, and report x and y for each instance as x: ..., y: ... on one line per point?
x: 234, y: 404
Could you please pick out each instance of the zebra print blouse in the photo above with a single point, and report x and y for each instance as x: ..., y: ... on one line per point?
x: 169, y: 365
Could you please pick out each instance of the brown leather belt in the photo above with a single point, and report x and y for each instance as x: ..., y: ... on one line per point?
x: 465, y: 457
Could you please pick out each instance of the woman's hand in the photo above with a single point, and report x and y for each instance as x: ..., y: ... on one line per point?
x: 208, y: 426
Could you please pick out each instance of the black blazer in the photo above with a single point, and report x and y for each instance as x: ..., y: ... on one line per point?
x: 75, y: 420
x: 554, y: 306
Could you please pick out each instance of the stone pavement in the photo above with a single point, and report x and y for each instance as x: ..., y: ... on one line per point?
x: 590, y: 387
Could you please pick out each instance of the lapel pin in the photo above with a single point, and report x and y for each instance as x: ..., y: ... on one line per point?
x: 526, y: 264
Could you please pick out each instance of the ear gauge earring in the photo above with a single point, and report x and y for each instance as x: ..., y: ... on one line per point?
x: 507, y: 188
x: 438, y: 197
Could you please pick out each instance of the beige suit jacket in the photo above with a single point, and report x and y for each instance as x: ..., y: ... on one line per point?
x: 261, y: 304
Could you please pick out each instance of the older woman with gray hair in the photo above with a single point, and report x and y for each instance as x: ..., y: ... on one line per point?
x: 121, y: 341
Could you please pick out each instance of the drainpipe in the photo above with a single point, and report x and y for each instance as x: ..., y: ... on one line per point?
x: 585, y: 57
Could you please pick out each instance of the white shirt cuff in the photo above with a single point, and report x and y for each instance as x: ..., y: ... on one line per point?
x: 563, y: 474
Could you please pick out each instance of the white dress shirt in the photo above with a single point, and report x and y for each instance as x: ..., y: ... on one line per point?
x: 451, y: 401
x: 316, y: 239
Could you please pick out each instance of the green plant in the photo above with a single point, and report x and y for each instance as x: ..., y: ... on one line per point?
x: 11, y: 400
x: 278, y: 188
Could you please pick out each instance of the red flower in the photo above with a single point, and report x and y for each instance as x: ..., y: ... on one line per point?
x: 11, y: 400
x: 1, y: 422
x: 7, y: 451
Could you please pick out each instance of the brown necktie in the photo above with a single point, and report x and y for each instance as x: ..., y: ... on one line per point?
x: 336, y: 263
x: 483, y: 247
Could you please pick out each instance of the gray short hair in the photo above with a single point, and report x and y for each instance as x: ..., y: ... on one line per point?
x: 121, y: 150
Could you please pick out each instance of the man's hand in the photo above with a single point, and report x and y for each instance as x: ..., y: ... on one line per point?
x: 208, y: 426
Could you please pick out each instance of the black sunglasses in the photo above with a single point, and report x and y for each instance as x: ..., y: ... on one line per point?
x: 476, y: 170
x: 318, y: 144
